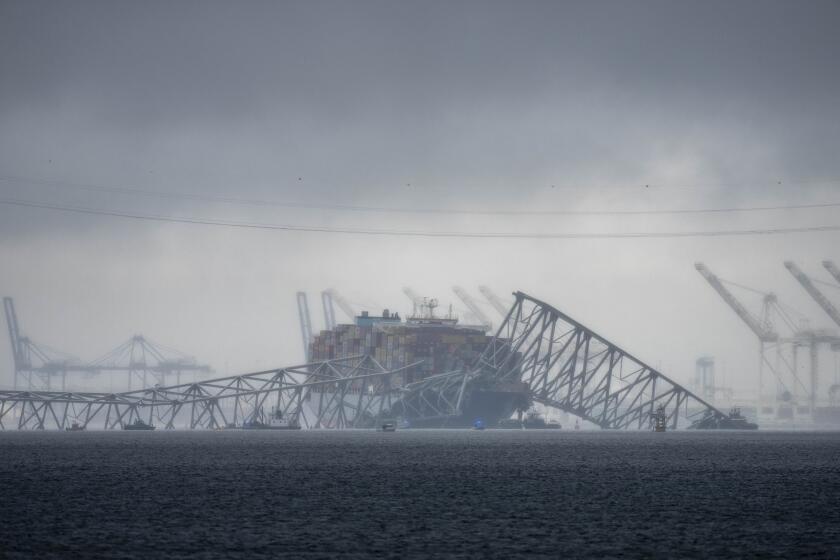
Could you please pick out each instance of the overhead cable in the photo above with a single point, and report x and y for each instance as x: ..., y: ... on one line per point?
x: 412, y: 209
x: 422, y: 233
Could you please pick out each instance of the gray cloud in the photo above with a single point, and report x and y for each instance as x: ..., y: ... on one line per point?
x: 473, y: 104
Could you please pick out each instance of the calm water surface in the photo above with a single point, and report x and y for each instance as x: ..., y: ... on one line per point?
x: 461, y: 494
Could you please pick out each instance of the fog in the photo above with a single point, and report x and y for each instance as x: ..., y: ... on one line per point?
x: 473, y: 106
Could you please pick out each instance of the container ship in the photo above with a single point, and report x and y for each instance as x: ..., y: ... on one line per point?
x: 435, y: 345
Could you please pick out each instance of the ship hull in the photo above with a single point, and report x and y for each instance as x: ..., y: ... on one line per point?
x: 487, y: 407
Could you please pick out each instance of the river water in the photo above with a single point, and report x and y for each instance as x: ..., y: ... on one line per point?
x: 446, y: 493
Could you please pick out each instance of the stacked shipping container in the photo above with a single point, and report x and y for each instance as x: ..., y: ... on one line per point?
x: 441, y: 348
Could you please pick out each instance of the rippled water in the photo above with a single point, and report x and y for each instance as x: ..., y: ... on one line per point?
x: 444, y: 493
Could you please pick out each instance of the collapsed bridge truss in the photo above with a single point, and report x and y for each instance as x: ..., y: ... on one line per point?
x: 570, y: 367
x: 348, y: 391
x: 562, y: 364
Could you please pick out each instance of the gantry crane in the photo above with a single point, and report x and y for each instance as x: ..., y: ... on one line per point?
x: 763, y: 328
x: 472, y: 306
x: 36, y: 364
x: 766, y: 333
x: 147, y: 362
x: 816, y: 337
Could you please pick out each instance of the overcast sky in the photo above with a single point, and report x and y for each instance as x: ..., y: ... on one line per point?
x: 477, y: 106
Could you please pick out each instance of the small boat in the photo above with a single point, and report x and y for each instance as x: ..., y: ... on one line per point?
x: 535, y: 421
x: 138, y: 425
x: 387, y: 427
x: 478, y: 425
x: 75, y: 427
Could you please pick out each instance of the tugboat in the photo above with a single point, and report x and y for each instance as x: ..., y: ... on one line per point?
x: 275, y: 422
x: 75, y: 427
x: 138, y: 425
x: 734, y: 421
x: 737, y: 421
x: 534, y: 421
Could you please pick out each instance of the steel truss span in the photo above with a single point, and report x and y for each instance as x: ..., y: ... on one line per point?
x: 560, y: 363
x: 349, y: 392
x: 570, y: 367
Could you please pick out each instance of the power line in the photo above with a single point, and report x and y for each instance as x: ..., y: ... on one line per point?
x: 410, y: 210
x: 420, y: 233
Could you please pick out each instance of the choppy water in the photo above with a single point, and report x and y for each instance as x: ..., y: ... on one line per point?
x: 437, y: 493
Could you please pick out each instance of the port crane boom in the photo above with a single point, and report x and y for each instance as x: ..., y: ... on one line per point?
x: 814, y: 292
x: 832, y: 268
x: 329, y: 310
x: 342, y: 303
x: 764, y: 332
x: 412, y: 295
x: 472, y: 306
x: 14, y: 333
x: 305, y: 322
x: 494, y: 300
x: 415, y: 299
